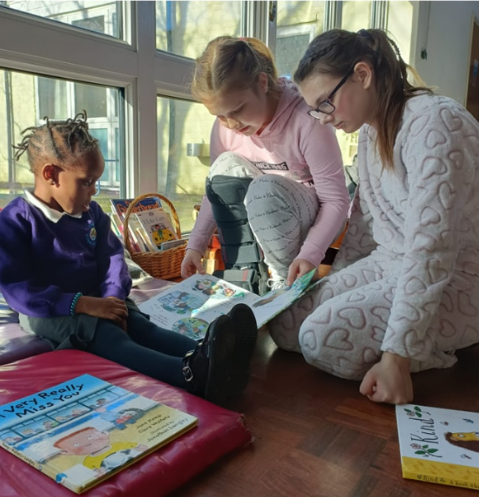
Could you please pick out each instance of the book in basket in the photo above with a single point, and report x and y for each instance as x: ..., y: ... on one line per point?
x: 84, y: 430
x: 439, y: 445
x: 157, y: 226
x: 120, y: 205
x: 188, y: 307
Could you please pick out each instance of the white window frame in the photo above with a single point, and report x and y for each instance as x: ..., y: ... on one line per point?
x: 300, y: 29
x: 49, y: 48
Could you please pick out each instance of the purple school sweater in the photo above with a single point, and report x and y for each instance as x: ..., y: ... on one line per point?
x: 44, y: 264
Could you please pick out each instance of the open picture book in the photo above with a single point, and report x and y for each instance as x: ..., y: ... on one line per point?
x: 83, y: 431
x: 191, y: 305
x: 439, y: 445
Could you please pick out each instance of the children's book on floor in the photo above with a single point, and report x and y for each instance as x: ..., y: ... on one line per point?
x: 439, y: 445
x: 191, y: 305
x: 83, y: 431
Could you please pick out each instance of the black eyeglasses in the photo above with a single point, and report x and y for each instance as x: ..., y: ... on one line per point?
x: 326, y: 106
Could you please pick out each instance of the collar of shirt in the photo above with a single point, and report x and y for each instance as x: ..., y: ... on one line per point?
x: 51, y: 214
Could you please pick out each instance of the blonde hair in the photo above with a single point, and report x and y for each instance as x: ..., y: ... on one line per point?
x: 232, y: 64
x: 336, y: 51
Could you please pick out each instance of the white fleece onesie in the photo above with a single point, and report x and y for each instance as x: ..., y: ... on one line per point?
x: 406, y: 279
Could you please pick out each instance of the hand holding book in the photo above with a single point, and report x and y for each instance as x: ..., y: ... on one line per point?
x: 189, y: 306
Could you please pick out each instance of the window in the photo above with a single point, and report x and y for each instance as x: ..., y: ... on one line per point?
x: 25, y: 99
x: 184, y: 28
x: 291, y: 43
x: 100, y: 17
x: 115, y: 82
x: 298, y: 23
x: 399, y: 26
x: 356, y: 15
x: 181, y: 177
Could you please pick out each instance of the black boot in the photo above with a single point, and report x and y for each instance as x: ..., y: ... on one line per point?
x: 218, y: 369
x: 246, y: 335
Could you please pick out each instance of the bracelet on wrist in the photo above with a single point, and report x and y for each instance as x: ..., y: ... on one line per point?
x: 74, y: 303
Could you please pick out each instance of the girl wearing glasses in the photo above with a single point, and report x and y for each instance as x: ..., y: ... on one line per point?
x: 297, y: 200
x: 403, y: 293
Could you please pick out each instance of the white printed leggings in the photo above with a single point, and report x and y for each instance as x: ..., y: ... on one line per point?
x: 339, y: 327
x: 280, y: 211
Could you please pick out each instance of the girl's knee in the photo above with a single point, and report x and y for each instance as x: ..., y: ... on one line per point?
x: 335, y: 350
x: 354, y: 373
x: 255, y: 190
x: 285, y: 339
x: 268, y: 183
x: 227, y: 162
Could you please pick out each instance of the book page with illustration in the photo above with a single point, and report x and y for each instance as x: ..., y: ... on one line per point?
x: 83, y: 431
x: 191, y: 305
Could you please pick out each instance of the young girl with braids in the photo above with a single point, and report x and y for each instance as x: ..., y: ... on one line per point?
x: 63, y: 270
x: 403, y: 292
x: 297, y: 200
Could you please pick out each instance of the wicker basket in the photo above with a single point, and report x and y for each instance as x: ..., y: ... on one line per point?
x: 163, y: 265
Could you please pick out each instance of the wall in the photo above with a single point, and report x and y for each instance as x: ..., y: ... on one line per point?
x: 447, y: 37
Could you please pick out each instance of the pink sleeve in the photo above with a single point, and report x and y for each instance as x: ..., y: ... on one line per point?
x: 205, y: 224
x: 323, y: 156
x: 217, y: 141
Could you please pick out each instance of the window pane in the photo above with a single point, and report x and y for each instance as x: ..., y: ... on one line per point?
x: 52, y: 98
x: 25, y: 99
x: 399, y: 26
x: 356, y: 15
x: 93, y: 24
x: 101, y: 17
x: 5, y: 130
x: 101, y: 134
x: 184, y: 28
x: 92, y: 98
x: 298, y: 24
x: 181, y: 177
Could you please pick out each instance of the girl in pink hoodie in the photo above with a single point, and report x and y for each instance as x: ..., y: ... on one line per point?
x: 298, y: 200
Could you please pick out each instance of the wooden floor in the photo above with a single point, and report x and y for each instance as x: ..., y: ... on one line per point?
x: 316, y: 435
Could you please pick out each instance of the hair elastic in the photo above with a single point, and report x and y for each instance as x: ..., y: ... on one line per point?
x: 365, y: 34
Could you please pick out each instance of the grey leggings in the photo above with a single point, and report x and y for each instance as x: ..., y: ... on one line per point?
x: 280, y: 211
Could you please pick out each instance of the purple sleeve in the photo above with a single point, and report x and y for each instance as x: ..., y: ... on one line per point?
x: 112, y: 268
x: 19, y: 290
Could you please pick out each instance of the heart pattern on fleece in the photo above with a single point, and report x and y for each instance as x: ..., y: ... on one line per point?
x: 406, y: 279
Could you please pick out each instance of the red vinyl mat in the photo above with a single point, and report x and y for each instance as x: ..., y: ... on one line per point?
x: 219, y: 430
